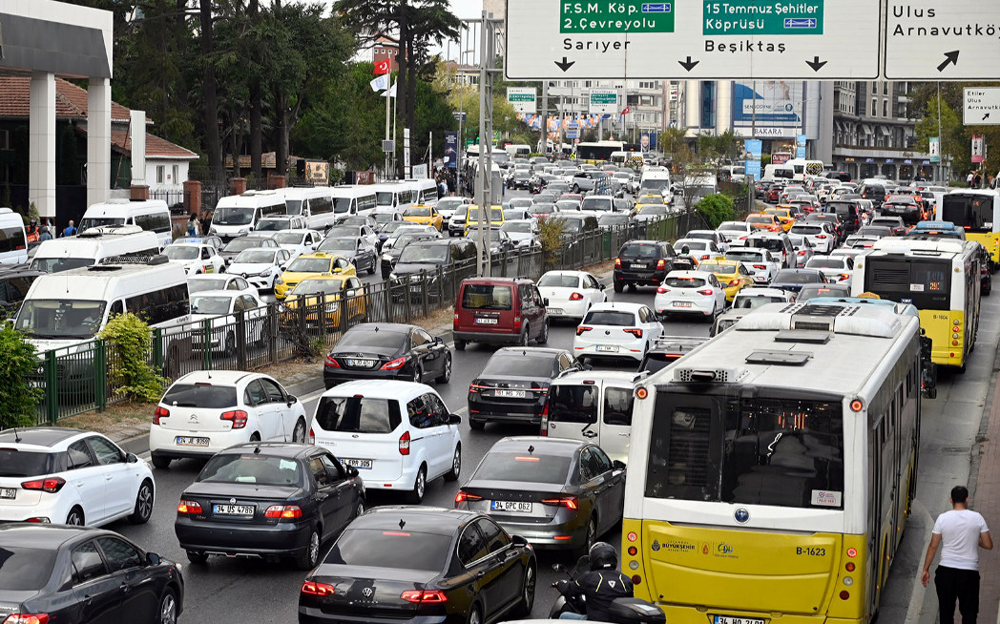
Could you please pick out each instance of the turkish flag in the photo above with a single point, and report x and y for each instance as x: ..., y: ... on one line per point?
x: 382, y: 67
x: 625, y: 112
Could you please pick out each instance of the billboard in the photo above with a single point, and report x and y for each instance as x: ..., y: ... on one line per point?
x: 751, y: 157
x: 774, y: 104
x: 934, y: 147
x: 451, y: 149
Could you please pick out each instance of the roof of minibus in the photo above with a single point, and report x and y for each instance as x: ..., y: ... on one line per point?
x: 252, y: 199
x: 94, y: 283
x: 122, y: 208
x: 306, y: 192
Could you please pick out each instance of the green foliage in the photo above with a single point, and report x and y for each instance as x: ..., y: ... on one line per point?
x: 716, y: 209
x: 550, y: 235
x: 33, y: 212
x: 672, y: 139
x: 129, y: 342
x: 953, y: 142
x: 17, y: 364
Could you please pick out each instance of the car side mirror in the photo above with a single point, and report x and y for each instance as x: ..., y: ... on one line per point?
x: 519, y: 541
x: 292, y: 400
x: 545, y: 302
x: 618, y: 465
x: 351, y: 471
x: 438, y: 340
x: 338, y: 270
x: 454, y: 419
x: 130, y: 458
x: 602, y: 286
x: 153, y: 559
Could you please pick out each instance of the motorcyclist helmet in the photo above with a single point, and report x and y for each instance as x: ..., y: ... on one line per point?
x: 685, y: 250
x: 603, y: 556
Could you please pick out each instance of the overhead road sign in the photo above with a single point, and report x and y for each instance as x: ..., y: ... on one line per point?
x: 693, y: 39
x: 942, y: 40
x: 603, y: 101
x: 981, y: 106
x: 522, y: 98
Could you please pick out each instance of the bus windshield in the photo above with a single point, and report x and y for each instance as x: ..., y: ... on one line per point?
x: 89, y: 222
x: 232, y: 216
x: 755, y: 450
x: 49, y: 318
x: 972, y: 212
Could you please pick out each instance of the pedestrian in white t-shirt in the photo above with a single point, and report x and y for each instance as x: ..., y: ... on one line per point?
x: 960, y: 533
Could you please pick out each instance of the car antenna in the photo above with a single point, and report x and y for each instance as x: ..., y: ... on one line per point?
x: 531, y: 449
x: 17, y: 438
x: 256, y: 450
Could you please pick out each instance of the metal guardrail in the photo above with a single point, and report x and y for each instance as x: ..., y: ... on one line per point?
x: 85, y: 377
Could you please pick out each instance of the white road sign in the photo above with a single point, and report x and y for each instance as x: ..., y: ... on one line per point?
x: 604, y: 102
x: 942, y: 40
x: 981, y: 106
x: 752, y: 39
x: 522, y: 98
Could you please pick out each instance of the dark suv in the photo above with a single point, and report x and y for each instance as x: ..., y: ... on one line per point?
x: 644, y: 262
x: 428, y: 256
x: 848, y: 213
x: 874, y: 192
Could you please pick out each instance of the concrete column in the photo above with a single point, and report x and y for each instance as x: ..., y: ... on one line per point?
x: 692, y: 104
x: 137, y: 135
x: 237, y: 186
x: 42, y: 144
x: 723, y: 106
x: 99, y: 140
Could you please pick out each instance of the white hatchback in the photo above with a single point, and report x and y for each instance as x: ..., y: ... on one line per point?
x: 690, y: 292
x: 836, y: 269
x: 570, y: 293
x: 616, y: 330
x: 398, y: 434
x: 206, y: 411
x: 67, y: 476
x: 196, y: 258
x: 759, y: 262
x: 260, y: 265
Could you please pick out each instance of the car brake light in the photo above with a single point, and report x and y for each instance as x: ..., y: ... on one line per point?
x: 662, y: 289
x: 618, y: 263
x: 50, y: 485
x: 238, y: 418
x: 821, y: 236
x: 844, y: 276
x: 189, y: 507
x: 635, y: 331
x: 734, y: 282
x: 575, y: 297
x: 569, y: 502
x: 283, y: 511
x: 762, y: 267
x: 706, y: 291
x: 312, y: 436
x: 317, y: 589
x: 424, y: 596
x: 461, y: 497
x: 161, y: 412
x: 404, y: 443
x: 27, y: 618
x: 545, y: 418
x: 332, y: 362
x: 394, y: 364
x: 581, y: 329
x: 661, y: 263
x: 802, y: 253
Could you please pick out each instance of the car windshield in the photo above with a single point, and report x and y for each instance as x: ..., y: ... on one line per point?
x: 232, y: 216
x: 310, y: 265
x: 361, y: 339
x: 653, y: 209
x: 20, y: 463
x: 542, y: 209
x: 807, y: 230
x: 525, y: 468
x: 797, y: 277
x: 487, y: 297
x: 256, y: 468
x: 449, y: 203
x: 214, y: 283
x: 397, y: 549
x: 289, y: 238
x: 495, y: 214
x: 392, y: 226
x: 272, y: 225
x: 694, y: 245
x: 752, y: 302
x: 201, y: 395
x: 825, y: 263
x: 255, y: 256
x: 571, y: 226
x: 211, y: 305
x: 57, y: 265
x: 417, y: 212
x: 316, y: 287
x: 811, y: 291
x: 767, y: 219
x: 63, y: 318
x: 186, y: 252
x: 684, y: 281
x: 239, y: 244
x: 339, y: 244
x: 597, y: 203
x: 770, y: 244
x: 744, y: 256
x: 89, y: 222
x: 518, y: 227
x: 610, y: 317
x: 612, y: 219
x: 357, y: 414
x: 341, y: 205
x: 25, y: 569
x: 404, y: 239
x: 639, y: 251
x: 714, y: 267
x: 436, y: 254
x: 517, y: 365
x: 559, y: 280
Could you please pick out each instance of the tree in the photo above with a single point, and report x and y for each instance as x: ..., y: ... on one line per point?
x: 952, y: 134
x: 209, y: 88
x: 672, y: 139
x: 17, y: 366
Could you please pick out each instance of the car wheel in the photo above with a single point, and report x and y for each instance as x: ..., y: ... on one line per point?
x: 310, y: 556
x: 589, y: 538
x: 360, y: 509
x: 418, y: 373
x: 75, y: 517
x: 255, y: 437
x: 475, y: 615
x: 197, y: 557
x: 161, y: 462
x: 619, y: 286
x: 527, y: 592
x: 299, y: 433
x: 456, y: 465
x: 544, y: 336
x: 460, y: 345
x: 143, y: 504
x: 416, y: 496
x: 522, y: 341
x: 446, y: 371
x: 371, y: 269
x: 168, y: 608
x: 477, y: 425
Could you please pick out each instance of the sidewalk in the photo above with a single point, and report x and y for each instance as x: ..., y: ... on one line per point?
x: 986, y: 500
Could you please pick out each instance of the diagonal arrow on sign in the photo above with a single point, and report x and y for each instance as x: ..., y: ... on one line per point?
x: 950, y: 58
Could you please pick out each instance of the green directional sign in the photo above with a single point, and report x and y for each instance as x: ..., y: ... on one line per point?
x: 603, y: 97
x: 520, y: 97
x: 621, y: 16
x: 763, y: 17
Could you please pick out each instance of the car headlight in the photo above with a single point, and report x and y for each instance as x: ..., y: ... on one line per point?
x: 279, y: 281
x: 244, y: 231
x: 265, y: 272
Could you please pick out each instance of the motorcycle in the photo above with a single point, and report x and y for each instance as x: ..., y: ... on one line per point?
x: 624, y: 610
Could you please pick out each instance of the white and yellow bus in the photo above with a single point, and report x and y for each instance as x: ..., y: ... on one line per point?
x: 771, y: 469
x: 978, y: 212
x: 941, y: 278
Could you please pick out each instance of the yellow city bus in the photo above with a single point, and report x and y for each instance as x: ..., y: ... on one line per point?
x: 978, y: 212
x: 941, y: 278
x: 771, y: 469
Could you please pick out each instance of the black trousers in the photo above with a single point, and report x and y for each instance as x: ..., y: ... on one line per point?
x: 963, y: 585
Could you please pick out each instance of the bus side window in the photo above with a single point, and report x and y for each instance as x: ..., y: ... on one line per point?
x: 116, y: 309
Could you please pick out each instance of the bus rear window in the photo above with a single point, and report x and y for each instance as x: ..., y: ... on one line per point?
x: 972, y: 212
x: 754, y: 451
x: 926, y: 283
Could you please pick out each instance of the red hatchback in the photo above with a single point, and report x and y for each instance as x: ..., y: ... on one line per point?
x: 499, y: 311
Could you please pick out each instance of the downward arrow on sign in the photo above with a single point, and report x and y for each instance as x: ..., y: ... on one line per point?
x: 816, y: 64
x: 689, y: 64
x: 564, y: 65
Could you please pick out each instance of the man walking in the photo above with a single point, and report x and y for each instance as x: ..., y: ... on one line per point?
x: 962, y: 532
x: 70, y: 229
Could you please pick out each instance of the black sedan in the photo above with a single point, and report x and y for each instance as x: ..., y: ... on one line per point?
x: 82, y: 575
x: 514, y: 384
x: 557, y: 493
x: 422, y: 565
x: 793, y: 280
x: 268, y: 500
x: 387, y: 351
x: 361, y: 253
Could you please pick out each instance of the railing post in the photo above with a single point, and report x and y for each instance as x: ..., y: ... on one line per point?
x: 51, y: 388
x: 101, y: 375
x: 321, y: 316
x: 158, y: 349
x: 423, y: 291
x: 272, y: 331
x: 343, y: 300
x: 240, y: 330
x: 206, y: 344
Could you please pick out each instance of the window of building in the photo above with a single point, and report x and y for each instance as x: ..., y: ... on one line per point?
x: 176, y: 179
x: 874, y: 107
x: 874, y: 87
x: 5, y: 140
x: 160, y: 170
x: 885, y: 88
x: 885, y: 108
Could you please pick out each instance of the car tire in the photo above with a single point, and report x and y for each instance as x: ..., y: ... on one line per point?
x: 309, y: 558
x: 527, y: 592
x: 619, y: 286
x: 544, y: 336
x: 446, y: 372
x: 456, y: 465
x: 197, y: 557
x: 460, y: 345
x: 76, y: 517
x: 371, y: 269
x: 160, y: 462
x: 477, y: 425
x: 168, y: 608
x: 299, y: 432
x: 418, y: 373
x: 143, y: 509
x: 475, y: 615
x: 416, y: 495
x: 589, y: 538
x: 522, y: 340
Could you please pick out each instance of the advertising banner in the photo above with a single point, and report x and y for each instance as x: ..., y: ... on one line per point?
x: 751, y: 157
x: 977, y: 148
x: 800, y: 146
x: 934, y: 144
x: 775, y: 104
x: 451, y: 149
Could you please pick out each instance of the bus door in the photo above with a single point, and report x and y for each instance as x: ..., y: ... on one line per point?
x: 615, y: 432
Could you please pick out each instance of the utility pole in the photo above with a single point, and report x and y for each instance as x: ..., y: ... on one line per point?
x: 484, y: 179
x: 545, y: 117
x: 940, y: 138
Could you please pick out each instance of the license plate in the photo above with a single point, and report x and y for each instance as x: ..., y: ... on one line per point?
x: 726, y: 619
x: 682, y: 304
x: 511, y: 506
x: 638, y: 266
x: 360, y: 464
x: 187, y: 441
x: 510, y: 394
x: 361, y: 363
x: 607, y: 349
x: 487, y: 321
x: 555, y: 310
x: 8, y: 493
x: 233, y: 510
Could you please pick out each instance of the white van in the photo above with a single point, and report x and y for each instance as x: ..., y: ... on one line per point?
x: 426, y: 190
x: 595, y: 407
x: 518, y: 150
x: 354, y: 199
x: 396, y: 195
x: 236, y: 215
x: 315, y: 204
x: 802, y: 168
x: 655, y: 180
x: 778, y: 172
x: 13, y: 240
x: 93, y: 247
x: 74, y: 306
x: 151, y: 215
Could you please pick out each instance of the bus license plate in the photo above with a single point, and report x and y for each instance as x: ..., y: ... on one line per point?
x: 510, y: 506
x: 360, y: 464
x: 726, y: 619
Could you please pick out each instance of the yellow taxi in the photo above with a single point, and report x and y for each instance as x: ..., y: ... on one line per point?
x: 424, y: 215
x: 311, y: 265
x: 647, y: 199
x: 783, y: 215
x: 495, y: 216
x: 731, y: 274
x: 340, y: 292
x: 765, y: 223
